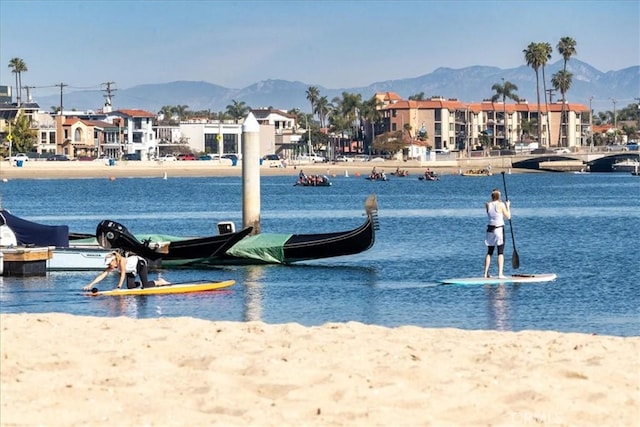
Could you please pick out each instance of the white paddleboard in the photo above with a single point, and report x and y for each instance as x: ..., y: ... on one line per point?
x: 516, y: 278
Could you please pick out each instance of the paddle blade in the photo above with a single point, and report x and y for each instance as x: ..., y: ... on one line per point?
x: 515, y: 260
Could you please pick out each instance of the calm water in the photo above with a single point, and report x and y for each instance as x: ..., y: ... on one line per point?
x: 584, y: 228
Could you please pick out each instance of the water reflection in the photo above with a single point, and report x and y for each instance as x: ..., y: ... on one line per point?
x: 499, y: 307
x: 253, y: 289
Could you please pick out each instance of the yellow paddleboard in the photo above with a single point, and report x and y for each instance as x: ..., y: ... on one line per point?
x: 176, y: 288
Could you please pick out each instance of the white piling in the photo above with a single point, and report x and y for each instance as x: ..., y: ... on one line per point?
x: 251, y: 173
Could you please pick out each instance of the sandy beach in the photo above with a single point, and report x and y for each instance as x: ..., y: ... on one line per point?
x: 127, y: 169
x: 64, y: 370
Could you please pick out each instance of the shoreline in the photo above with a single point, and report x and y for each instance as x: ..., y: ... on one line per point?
x: 133, y: 169
x: 82, y: 370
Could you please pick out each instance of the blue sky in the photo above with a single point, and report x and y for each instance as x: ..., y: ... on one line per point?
x: 333, y: 44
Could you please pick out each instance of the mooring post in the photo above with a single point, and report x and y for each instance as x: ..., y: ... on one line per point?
x: 251, y: 174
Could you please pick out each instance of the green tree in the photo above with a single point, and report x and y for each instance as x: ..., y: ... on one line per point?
x: 534, y: 55
x: 23, y: 138
x: 566, y: 48
x: 417, y: 97
x: 18, y: 66
x: 167, y: 113
x: 504, y: 91
x: 237, y: 110
x: 182, y: 111
x: 390, y: 143
x: 370, y: 112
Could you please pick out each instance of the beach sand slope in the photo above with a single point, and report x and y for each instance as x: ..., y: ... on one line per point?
x: 65, y: 370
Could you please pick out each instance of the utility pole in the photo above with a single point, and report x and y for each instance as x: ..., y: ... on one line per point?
x: 551, y: 92
x: 615, y: 122
x: 637, y: 113
x: 28, y: 92
x: 504, y: 114
x: 62, y: 86
x: 108, y: 96
x: 590, y: 125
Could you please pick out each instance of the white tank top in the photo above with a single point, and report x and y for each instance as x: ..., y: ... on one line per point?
x: 132, y: 264
x: 495, y: 217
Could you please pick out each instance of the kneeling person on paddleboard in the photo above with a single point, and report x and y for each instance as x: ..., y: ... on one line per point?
x: 128, y: 267
x: 497, y: 211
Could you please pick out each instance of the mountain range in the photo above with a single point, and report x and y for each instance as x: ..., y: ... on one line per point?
x: 470, y: 84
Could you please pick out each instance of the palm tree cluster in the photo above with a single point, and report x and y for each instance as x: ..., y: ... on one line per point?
x: 172, y: 114
x: 537, y: 55
x: 18, y: 66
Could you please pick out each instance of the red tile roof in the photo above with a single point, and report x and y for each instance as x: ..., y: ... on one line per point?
x: 135, y: 113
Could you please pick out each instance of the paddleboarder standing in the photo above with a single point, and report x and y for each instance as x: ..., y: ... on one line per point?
x: 497, y: 211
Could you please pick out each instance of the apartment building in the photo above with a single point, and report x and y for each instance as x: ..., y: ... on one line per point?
x: 450, y: 124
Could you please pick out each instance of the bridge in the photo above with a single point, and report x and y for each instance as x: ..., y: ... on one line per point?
x: 593, y: 162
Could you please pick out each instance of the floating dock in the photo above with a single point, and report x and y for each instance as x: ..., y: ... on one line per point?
x: 24, y: 261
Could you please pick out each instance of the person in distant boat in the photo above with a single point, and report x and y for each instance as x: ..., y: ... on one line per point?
x: 302, y: 178
x: 497, y: 211
x: 128, y: 267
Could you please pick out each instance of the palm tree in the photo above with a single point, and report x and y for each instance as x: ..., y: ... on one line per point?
x: 312, y: 96
x: 545, y: 54
x: 322, y: 108
x: 533, y: 55
x: 504, y: 91
x: 561, y: 81
x: 18, y: 66
x: 182, y: 111
x: 370, y: 112
x: 167, y: 112
x: 567, y: 48
x: 237, y: 110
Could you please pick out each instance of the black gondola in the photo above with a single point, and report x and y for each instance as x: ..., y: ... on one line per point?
x: 176, y: 252
x: 265, y: 248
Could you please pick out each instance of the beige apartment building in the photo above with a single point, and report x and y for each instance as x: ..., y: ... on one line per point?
x: 451, y: 124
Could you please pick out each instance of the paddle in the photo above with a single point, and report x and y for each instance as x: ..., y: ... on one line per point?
x: 515, y: 259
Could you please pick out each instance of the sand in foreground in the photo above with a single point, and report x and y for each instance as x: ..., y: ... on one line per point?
x: 64, y: 370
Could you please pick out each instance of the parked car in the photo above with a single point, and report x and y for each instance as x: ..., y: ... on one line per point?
x: 272, y: 161
x: 221, y: 160
x: 104, y: 159
x: 17, y: 157
x: 343, y: 159
x: 167, y: 158
x: 541, y: 151
x: 58, y: 158
x: 186, y: 156
x: 131, y: 156
x: 562, y: 151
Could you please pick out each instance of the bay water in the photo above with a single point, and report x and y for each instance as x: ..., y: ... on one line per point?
x: 583, y: 227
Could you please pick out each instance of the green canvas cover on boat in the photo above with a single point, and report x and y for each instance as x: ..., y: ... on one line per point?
x: 263, y: 247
